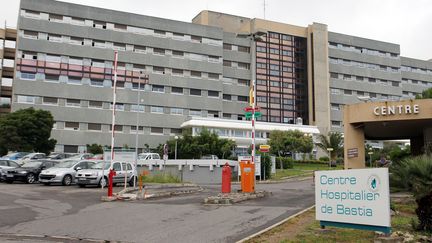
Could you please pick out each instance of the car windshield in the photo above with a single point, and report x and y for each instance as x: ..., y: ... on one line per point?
x: 78, y: 156
x: 32, y: 164
x: 66, y: 164
x: 100, y: 164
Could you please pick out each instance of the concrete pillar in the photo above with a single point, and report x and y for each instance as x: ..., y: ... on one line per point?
x: 354, y: 145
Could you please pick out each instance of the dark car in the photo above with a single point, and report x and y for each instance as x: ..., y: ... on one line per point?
x: 6, y: 164
x: 28, y: 172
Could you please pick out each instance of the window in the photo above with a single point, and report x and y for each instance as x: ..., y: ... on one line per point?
x: 74, y: 80
x: 53, y: 58
x: 28, y: 76
x: 120, y: 27
x: 214, y: 114
x: 134, y: 130
x: 73, y: 102
x: 212, y: 93
x: 160, y: 33
x: 274, y: 83
x: 99, y: 44
x: 359, y: 78
x: 177, y: 72
x: 176, y: 90
x: 227, y: 63
x: 94, y: 127
x: 196, y: 92
x: 213, y: 58
x: 336, y: 123
x: 158, y: 88
x: 176, y: 111
x: 334, y: 75
x: 49, y: 101
x: 193, y: 112
x: 137, y: 108
x: 32, y: 14
x: 30, y: 34
x: 227, y: 46
x: 196, y: 39
x: 227, y: 97
x: 242, y: 65
x: 95, y: 104
x: 156, y: 130
x: 71, y: 125
x: 54, y: 38
x: 347, y: 92
x: 118, y: 107
x: 226, y: 116
x: 177, y: 53
x: 346, y: 77
x: 243, y: 82
x: 157, y: 109
x: 243, y: 49
x: 117, y: 128
x: 119, y: 47
x: 242, y: 98
x: 213, y: 75
x: 195, y: 74
x: 372, y: 80
x: 176, y: 131
x: 160, y: 70
x: 96, y: 82
x: 26, y: 99
x: 287, y: 53
x: 158, y: 51
x: 335, y: 91
x: 78, y: 61
x: 76, y: 41
x: 395, y: 84
x: 178, y: 36
x: 140, y: 49
x: 29, y: 55
x: 77, y: 21
x: 99, y: 24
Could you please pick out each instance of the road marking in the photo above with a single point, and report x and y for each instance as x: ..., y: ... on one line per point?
x: 275, y: 225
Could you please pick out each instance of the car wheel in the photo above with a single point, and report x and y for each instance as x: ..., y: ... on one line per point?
x: 30, y: 178
x: 131, y: 181
x: 67, y: 180
x: 9, y: 181
x: 103, y: 182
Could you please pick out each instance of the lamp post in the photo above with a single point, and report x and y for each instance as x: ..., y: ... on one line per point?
x: 175, y: 151
x: 330, y: 158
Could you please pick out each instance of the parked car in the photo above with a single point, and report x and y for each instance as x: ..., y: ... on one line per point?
x: 14, y: 156
x: 98, y: 174
x: 7, y: 164
x: 28, y: 172
x: 56, y: 155
x: 148, y: 156
x: 31, y: 156
x: 80, y: 157
x: 97, y: 157
x: 64, y: 172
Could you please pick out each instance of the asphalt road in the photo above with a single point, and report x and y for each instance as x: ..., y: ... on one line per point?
x: 78, y: 213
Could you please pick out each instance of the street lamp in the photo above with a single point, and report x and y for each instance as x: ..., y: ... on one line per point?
x: 256, y: 36
x: 330, y: 158
x: 175, y: 151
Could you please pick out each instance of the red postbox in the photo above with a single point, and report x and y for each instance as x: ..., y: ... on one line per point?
x: 226, y: 178
x: 111, y: 174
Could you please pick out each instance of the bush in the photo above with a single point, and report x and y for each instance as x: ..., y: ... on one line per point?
x: 266, y: 163
x: 324, y: 158
x: 312, y: 162
x: 286, y: 162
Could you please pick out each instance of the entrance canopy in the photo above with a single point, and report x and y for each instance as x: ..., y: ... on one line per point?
x: 408, y: 119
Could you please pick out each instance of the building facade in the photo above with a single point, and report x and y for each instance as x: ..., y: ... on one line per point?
x: 64, y: 64
x: 7, y: 61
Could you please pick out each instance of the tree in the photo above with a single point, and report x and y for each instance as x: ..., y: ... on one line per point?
x: 27, y: 130
x: 95, y: 148
x: 415, y: 175
x: 277, y: 142
x: 426, y: 94
x: 333, y: 140
x: 282, y: 142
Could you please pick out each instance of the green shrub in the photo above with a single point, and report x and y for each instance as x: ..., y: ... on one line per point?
x: 324, y: 158
x: 286, y: 162
x: 266, y: 164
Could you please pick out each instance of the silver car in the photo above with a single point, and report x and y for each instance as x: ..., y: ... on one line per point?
x: 98, y: 174
x: 6, y: 164
x: 64, y: 172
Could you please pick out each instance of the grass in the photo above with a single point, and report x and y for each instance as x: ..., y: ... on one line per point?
x: 303, y: 169
x: 305, y: 228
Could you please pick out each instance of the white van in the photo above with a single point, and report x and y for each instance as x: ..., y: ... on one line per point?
x: 148, y: 156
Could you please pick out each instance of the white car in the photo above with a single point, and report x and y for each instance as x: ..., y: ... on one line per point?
x: 64, y: 172
x: 98, y: 174
x: 31, y: 156
x: 7, y: 164
x: 148, y: 156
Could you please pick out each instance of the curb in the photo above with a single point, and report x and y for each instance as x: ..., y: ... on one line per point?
x: 135, y: 194
x: 233, y: 198
x: 275, y: 225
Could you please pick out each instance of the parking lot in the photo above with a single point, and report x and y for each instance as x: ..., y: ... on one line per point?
x: 75, y: 212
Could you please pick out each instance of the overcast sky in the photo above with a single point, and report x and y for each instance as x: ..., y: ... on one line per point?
x: 404, y: 22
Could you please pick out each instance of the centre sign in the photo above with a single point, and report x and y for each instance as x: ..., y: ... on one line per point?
x: 396, y: 110
x: 357, y: 198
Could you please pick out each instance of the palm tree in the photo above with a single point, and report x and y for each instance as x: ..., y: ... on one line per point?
x: 415, y: 175
x: 333, y: 140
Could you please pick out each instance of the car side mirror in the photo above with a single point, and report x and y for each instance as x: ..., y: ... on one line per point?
x: 78, y: 168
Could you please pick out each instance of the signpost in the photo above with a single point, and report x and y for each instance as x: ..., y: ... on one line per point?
x: 357, y: 199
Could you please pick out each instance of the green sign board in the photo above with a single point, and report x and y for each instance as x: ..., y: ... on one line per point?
x: 248, y: 115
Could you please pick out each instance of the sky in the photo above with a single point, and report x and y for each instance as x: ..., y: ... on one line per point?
x: 404, y: 22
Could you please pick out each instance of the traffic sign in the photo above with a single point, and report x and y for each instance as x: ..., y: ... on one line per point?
x: 250, y: 109
x: 248, y: 115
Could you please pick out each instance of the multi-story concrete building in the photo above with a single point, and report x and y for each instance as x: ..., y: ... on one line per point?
x: 7, y: 58
x: 64, y: 64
